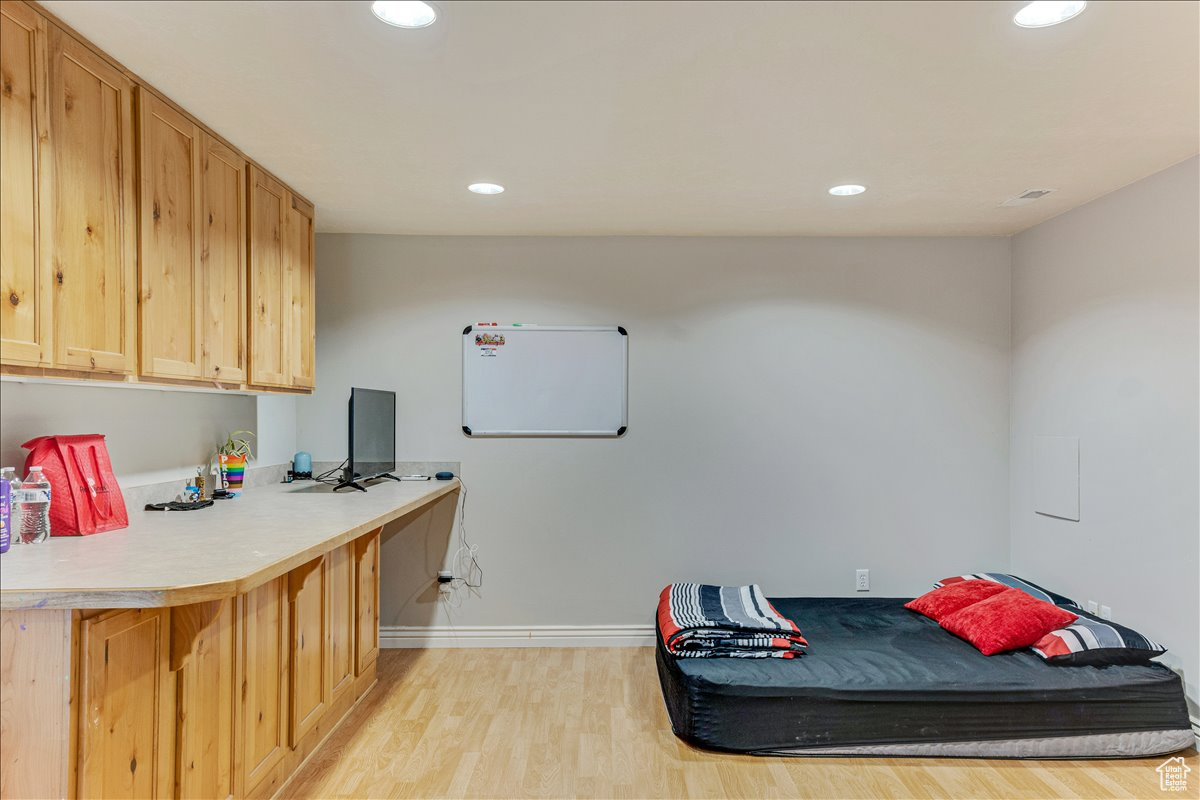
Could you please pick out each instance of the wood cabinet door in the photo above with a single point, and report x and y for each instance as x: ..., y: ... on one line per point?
x: 25, y: 276
x: 169, y: 301
x: 90, y: 233
x: 263, y: 668
x: 366, y: 601
x: 203, y: 655
x: 126, y: 699
x: 300, y: 265
x: 223, y: 261
x: 307, y: 646
x: 268, y: 281
x: 341, y: 592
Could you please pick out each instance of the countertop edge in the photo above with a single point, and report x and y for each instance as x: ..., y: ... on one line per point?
x: 168, y: 596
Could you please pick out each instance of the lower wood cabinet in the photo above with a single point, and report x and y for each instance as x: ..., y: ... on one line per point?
x: 126, y: 700
x: 263, y: 669
x: 342, y: 589
x: 218, y: 699
x: 366, y: 571
x: 203, y: 647
x: 307, y: 647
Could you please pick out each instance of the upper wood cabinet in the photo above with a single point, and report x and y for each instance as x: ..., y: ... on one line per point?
x: 282, y: 286
x: 25, y: 276
x: 300, y: 266
x: 138, y: 247
x: 89, y: 230
x: 268, y: 280
x: 192, y: 273
x: 223, y: 261
x: 170, y: 306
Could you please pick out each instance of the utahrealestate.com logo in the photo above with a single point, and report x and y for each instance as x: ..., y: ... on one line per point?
x: 1172, y: 775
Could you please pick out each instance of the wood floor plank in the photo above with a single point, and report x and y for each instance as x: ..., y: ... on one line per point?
x: 590, y: 723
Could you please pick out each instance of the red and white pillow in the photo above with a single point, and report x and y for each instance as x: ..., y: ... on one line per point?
x: 1090, y: 640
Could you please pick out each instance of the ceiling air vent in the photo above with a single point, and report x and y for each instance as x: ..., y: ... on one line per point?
x: 1026, y: 197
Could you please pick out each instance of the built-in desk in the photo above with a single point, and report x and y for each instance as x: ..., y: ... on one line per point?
x: 194, y: 654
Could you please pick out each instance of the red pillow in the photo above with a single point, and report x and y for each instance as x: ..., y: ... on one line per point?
x: 951, y: 597
x: 1006, y: 621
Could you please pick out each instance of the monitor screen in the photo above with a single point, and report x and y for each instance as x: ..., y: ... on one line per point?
x: 372, y: 433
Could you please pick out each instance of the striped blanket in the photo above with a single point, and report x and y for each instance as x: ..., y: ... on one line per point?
x: 696, y: 620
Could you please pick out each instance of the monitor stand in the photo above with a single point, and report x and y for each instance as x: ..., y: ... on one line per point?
x: 353, y: 484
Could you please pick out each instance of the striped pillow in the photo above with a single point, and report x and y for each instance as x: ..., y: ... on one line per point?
x: 1092, y: 641
x: 1014, y: 582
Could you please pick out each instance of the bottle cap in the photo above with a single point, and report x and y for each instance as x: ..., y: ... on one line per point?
x: 35, y: 469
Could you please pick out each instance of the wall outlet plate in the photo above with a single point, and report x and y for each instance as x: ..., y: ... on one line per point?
x: 1093, y: 607
x: 1105, y: 612
x: 862, y: 580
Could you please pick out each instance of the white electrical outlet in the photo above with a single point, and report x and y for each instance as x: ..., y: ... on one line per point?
x: 862, y: 580
x: 1093, y: 607
x: 1105, y: 612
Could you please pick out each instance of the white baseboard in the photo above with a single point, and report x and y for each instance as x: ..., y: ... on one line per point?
x: 517, y: 636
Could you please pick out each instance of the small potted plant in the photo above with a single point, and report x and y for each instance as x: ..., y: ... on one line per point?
x: 231, y: 457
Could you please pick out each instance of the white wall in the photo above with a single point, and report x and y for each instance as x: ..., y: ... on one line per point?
x: 153, y: 435
x: 276, y: 428
x: 1105, y: 348
x: 799, y: 408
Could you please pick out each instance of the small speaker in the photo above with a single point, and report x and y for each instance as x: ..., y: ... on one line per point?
x: 444, y: 476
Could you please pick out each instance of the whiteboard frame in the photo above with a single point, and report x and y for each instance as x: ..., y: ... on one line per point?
x: 470, y: 329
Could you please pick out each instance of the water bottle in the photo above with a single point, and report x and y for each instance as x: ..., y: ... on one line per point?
x: 4, y: 516
x: 35, y: 508
x: 14, y: 511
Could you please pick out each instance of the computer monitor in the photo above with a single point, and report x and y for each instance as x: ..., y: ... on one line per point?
x: 372, y: 437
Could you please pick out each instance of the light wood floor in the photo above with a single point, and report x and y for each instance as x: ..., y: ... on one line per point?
x: 564, y: 723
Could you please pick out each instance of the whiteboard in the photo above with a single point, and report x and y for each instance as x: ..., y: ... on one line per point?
x: 545, y: 380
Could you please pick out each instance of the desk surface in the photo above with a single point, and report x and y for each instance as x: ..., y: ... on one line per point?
x: 170, y: 558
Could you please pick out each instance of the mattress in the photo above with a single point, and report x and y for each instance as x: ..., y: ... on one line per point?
x: 880, y: 679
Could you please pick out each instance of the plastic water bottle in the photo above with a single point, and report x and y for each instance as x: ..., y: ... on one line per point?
x: 35, y: 508
x: 5, y: 519
x: 14, y: 511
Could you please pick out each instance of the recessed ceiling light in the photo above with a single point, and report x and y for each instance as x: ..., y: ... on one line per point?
x: 404, y: 13
x: 486, y: 188
x: 847, y: 189
x: 1043, y: 13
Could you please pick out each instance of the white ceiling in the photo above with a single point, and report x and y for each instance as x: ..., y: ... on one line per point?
x: 677, y: 117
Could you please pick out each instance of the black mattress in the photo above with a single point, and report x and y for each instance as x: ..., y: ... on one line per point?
x: 878, y: 674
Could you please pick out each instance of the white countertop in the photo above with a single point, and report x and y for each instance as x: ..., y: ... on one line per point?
x: 169, y: 558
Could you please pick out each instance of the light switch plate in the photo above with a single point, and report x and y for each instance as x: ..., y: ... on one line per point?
x: 1105, y: 612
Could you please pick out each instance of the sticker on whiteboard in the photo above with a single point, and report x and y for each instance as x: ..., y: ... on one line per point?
x: 488, y: 352
x: 489, y: 339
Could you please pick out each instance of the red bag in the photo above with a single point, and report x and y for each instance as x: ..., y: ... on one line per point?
x: 84, y: 495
